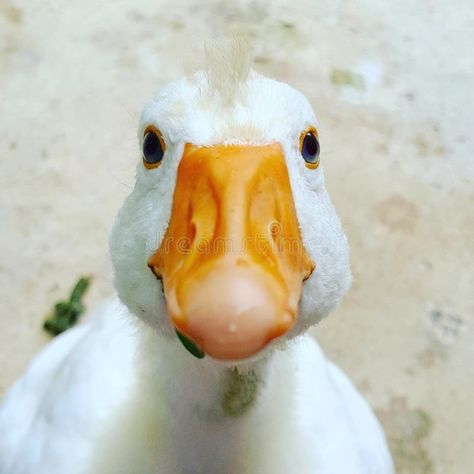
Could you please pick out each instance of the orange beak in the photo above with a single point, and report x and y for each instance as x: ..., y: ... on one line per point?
x: 232, y: 260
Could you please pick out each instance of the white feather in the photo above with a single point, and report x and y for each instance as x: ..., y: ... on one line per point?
x: 111, y: 396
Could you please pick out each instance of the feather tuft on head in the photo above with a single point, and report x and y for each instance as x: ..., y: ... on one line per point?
x: 228, y: 61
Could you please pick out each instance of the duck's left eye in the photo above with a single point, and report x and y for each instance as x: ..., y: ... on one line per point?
x: 309, y: 145
x: 153, y: 148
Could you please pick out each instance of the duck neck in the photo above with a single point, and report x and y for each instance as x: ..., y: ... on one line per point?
x: 206, y: 406
x: 205, y: 389
x: 180, y: 409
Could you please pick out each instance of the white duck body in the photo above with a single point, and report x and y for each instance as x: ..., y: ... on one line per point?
x: 108, y: 397
x: 115, y: 395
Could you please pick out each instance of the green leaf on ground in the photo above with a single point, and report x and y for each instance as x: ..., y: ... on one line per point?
x: 66, y: 313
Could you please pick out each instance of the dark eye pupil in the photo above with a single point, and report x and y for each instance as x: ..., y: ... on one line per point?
x: 152, y: 148
x: 310, y: 148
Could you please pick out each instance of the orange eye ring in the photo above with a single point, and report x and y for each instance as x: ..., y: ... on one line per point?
x: 153, y: 147
x: 309, y: 147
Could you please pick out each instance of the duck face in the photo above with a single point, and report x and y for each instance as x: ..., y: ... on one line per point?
x: 229, y: 237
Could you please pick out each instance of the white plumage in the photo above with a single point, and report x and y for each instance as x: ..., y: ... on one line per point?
x: 119, y: 394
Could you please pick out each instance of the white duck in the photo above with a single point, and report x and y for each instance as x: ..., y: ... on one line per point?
x: 231, y: 212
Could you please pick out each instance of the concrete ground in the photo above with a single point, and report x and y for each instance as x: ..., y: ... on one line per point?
x: 392, y: 84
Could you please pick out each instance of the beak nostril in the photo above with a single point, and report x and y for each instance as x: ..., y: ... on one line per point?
x: 187, y: 242
x: 192, y: 232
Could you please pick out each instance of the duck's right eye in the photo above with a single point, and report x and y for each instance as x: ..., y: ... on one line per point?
x: 153, y: 148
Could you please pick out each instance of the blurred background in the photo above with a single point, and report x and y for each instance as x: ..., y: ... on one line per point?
x: 392, y: 83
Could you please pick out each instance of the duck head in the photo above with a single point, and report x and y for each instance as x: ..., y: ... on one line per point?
x: 229, y: 236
